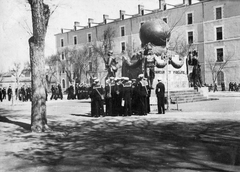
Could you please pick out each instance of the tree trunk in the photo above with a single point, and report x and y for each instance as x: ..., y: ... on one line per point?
x: 40, y: 17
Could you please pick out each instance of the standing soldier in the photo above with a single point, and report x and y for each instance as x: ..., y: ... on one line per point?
x: 127, y: 97
x: 117, y: 105
x: 97, y: 96
x: 143, y: 92
x: 60, y: 95
x: 109, y: 89
x: 53, y: 92
x: 29, y: 93
x: 4, y: 93
x: 148, y: 95
x: 9, y: 93
x: 160, y: 93
x: 135, y: 99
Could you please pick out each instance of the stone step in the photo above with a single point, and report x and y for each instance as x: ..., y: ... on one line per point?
x: 182, y: 96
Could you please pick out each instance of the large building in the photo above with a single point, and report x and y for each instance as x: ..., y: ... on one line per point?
x: 212, y: 27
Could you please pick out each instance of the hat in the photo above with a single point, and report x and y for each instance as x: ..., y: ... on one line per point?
x: 159, y: 79
x: 96, y: 80
x: 112, y: 78
x: 110, y: 52
x: 140, y: 76
x: 117, y: 79
x: 126, y: 79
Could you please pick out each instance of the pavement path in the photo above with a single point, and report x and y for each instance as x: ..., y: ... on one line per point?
x: 199, y: 136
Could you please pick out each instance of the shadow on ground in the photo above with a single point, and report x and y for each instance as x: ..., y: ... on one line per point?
x: 131, y: 144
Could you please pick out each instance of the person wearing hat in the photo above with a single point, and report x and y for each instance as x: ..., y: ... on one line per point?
x: 9, y: 93
x: 160, y: 93
x: 111, y: 64
x: 135, y: 97
x: 117, y: 97
x: 127, y: 97
x: 109, y: 90
x: 97, y: 99
x: 142, y: 92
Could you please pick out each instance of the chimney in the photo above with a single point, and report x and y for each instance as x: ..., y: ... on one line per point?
x: 61, y: 30
x: 122, y: 14
x: 141, y: 10
x: 105, y: 17
x: 90, y: 21
x: 187, y: 2
x: 162, y: 4
x: 76, y: 24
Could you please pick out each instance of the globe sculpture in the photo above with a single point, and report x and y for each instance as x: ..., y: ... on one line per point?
x: 154, y: 36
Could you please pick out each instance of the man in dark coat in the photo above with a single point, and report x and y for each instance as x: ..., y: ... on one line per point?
x: 117, y: 97
x: 143, y: 92
x: 97, y: 99
x: 9, y: 93
x: 109, y: 90
x: 60, y: 95
x: 160, y: 93
x: 127, y: 97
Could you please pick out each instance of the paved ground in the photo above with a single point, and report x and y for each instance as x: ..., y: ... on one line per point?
x: 200, y: 136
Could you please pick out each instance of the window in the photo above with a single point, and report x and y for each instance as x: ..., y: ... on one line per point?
x: 63, y: 56
x: 75, y: 40
x: 63, y: 70
x: 89, y: 37
x: 122, y: 30
x: 218, y: 11
x: 189, y: 18
x: 123, y: 46
x: 190, y: 37
x: 62, y: 43
x: 220, y: 78
x: 165, y: 19
x: 63, y: 84
x: 219, y: 54
x: 219, y: 33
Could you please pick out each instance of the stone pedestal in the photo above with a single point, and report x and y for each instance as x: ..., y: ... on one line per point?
x: 176, y: 79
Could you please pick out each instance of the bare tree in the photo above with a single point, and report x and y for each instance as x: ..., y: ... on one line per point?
x: 106, y: 43
x: 66, y: 63
x: 40, y: 17
x: 81, y: 59
x: 51, y: 71
x: 216, y: 67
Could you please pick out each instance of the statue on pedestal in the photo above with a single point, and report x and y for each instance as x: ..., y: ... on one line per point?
x: 154, y: 37
x: 196, y: 71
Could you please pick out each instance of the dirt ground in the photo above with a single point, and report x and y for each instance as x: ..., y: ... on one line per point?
x: 199, y: 136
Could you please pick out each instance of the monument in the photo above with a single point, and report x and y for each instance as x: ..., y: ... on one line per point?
x: 155, y: 60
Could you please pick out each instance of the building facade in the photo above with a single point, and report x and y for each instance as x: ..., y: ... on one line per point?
x: 212, y: 27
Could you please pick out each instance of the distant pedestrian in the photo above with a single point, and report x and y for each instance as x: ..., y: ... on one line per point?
x: 9, y: 93
x: 160, y: 93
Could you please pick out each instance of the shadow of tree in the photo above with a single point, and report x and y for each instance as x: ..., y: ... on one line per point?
x: 135, y: 144
x: 20, y: 124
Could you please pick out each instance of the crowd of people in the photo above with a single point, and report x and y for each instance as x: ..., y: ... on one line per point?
x: 233, y: 86
x: 23, y: 93
x: 124, y: 97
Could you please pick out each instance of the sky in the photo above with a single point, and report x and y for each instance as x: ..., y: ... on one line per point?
x: 16, y: 27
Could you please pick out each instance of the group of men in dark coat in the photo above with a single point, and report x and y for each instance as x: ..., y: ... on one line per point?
x: 123, y: 97
x: 4, y: 92
x: 24, y: 93
x: 56, y: 92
